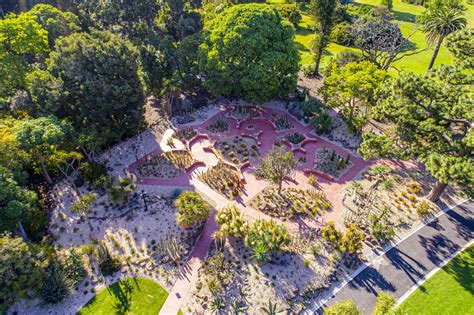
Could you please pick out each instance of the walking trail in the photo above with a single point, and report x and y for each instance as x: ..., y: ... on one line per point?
x: 268, y: 135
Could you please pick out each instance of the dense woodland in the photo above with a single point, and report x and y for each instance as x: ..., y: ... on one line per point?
x: 75, y: 76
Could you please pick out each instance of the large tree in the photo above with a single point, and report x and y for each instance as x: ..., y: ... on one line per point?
x: 323, y: 13
x: 351, y: 88
x: 92, y: 79
x: 18, y: 207
x: 22, y: 42
x: 56, y: 22
x: 45, y: 139
x: 249, y: 52
x: 381, y: 41
x: 441, y: 18
x: 118, y: 16
x: 429, y: 119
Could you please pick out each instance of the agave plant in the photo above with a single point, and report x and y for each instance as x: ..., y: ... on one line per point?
x: 270, y: 309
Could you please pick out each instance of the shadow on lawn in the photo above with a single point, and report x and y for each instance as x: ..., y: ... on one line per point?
x: 404, y: 16
x: 462, y: 269
x: 122, y: 291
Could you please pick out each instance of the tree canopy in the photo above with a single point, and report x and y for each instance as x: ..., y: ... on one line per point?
x: 248, y: 52
x: 22, y: 42
x: 430, y: 120
x: 92, y: 79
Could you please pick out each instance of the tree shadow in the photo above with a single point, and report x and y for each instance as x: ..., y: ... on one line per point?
x: 404, y: 16
x: 462, y: 269
x: 413, y: 269
x: 464, y: 223
x: 122, y: 291
x: 372, y: 281
x: 438, y: 247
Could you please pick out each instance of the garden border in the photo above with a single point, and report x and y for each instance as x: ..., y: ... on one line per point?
x: 318, y: 304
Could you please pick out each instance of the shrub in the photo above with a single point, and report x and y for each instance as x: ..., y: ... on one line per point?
x: 122, y: 190
x: 290, y: 12
x: 191, y: 209
x: 83, y: 204
x: 322, y: 122
x: 95, y: 173
x: 260, y: 253
x: 268, y: 233
x: 346, y: 307
x: 385, y: 304
x: 57, y: 285
x: 423, y: 208
x: 108, y: 264
x: 232, y: 222
x: 75, y: 267
x: 342, y: 34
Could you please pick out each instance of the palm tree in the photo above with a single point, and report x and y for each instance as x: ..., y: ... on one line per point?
x: 440, y: 19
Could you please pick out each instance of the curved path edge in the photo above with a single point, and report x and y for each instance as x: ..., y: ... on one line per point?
x: 317, y: 306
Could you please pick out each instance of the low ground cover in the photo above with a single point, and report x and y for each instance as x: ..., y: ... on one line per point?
x: 449, y: 291
x: 130, y: 296
x: 166, y: 165
x: 331, y: 163
x: 223, y: 178
x: 237, y: 149
x: 291, y: 202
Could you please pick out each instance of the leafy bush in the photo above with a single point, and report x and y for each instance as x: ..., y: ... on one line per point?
x: 83, y: 204
x: 22, y: 269
x: 108, y: 264
x: 269, y: 234
x: 95, y: 173
x: 346, y: 307
x: 57, y: 285
x: 385, y: 304
x: 342, y: 34
x: 122, y: 190
x: 75, y: 267
x: 290, y: 12
x: 322, y: 122
x: 232, y: 222
x: 191, y: 209
x: 308, y: 69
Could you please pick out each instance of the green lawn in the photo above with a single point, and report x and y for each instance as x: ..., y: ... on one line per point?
x: 405, y: 15
x: 132, y: 296
x: 449, y: 291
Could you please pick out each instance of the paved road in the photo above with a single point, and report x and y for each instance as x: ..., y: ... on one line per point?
x: 407, y: 263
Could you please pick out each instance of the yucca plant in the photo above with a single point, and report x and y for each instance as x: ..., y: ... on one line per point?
x: 191, y: 209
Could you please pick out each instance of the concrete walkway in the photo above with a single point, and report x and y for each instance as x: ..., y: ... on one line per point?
x: 405, y: 264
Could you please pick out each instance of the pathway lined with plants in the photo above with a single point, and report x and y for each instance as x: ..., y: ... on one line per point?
x: 404, y: 265
x: 266, y: 132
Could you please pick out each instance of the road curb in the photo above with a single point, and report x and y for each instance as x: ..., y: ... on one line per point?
x: 318, y: 304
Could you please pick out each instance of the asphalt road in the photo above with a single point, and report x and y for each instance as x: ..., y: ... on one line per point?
x: 404, y: 265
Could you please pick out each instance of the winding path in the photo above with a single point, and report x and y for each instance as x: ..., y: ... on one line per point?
x: 407, y: 263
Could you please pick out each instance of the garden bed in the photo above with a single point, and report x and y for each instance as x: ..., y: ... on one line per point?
x: 223, y: 178
x: 329, y: 162
x: 166, y: 165
x: 237, y: 149
x: 290, y: 280
x: 218, y: 126
x: 290, y: 202
x: 185, y: 134
x: 242, y: 112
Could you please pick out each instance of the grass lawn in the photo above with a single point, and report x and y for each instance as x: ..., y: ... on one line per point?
x: 405, y: 15
x: 449, y: 291
x: 132, y: 296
